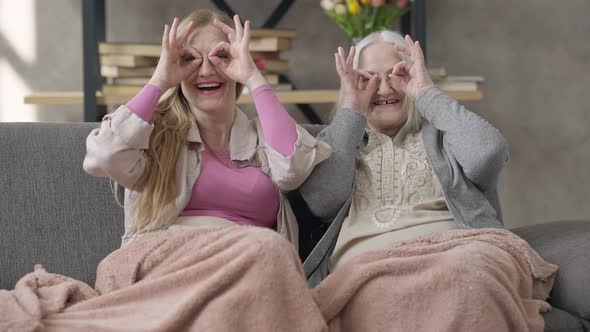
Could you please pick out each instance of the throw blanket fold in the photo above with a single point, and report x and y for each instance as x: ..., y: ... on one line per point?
x: 207, y: 279
x: 459, y: 280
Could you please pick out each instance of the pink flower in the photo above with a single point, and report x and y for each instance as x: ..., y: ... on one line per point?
x: 401, y: 3
x: 376, y: 3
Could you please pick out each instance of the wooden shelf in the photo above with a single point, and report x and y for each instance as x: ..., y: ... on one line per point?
x: 287, y: 97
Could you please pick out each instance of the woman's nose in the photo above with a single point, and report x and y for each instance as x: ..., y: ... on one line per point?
x: 207, y: 68
x: 384, y: 86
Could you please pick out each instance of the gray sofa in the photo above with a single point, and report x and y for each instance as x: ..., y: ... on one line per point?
x: 52, y: 213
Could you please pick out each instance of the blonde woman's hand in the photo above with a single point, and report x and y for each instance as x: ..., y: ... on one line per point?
x: 357, y: 88
x: 233, y: 58
x: 411, y: 77
x: 177, y: 61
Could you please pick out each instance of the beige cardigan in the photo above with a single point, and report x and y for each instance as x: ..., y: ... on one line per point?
x: 115, y: 150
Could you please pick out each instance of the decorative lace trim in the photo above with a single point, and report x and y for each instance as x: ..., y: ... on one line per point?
x: 395, y: 179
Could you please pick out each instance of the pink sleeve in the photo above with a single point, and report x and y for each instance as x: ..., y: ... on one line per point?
x: 280, y: 131
x: 145, y: 101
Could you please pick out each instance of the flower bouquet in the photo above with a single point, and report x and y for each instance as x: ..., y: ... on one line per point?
x: 359, y: 18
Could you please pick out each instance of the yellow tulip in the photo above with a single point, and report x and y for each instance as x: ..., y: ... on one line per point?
x: 353, y: 7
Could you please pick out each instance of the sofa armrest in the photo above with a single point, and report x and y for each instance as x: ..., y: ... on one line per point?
x: 566, y: 244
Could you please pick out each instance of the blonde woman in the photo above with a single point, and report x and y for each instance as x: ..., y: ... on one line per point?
x: 415, y: 242
x: 210, y: 239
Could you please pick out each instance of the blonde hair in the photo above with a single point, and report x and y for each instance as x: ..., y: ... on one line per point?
x: 414, y: 121
x: 172, y: 121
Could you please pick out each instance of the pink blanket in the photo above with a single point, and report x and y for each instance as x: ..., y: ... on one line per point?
x: 207, y: 279
x: 460, y: 280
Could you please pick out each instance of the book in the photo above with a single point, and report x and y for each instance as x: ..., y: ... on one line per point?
x: 282, y: 87
x: 120, y: 90
x: 460, y: 83
x: 266, y: 55
x: 130, y: 90
x: 277, y: 66
x: 257, y: 44
x: 437, y: 73
x: 115, y: 71
x: 128, y: 80
x: 272, y: 33
x: 457, y: 85
x: 466, y: 78
x: 271, y: 79
x: 269, y: 44
x: 128, y: 60
x: 130, y: 49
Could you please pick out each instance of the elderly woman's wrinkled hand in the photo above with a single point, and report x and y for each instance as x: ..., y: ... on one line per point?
x: 411, y: 77
x: 357, y: 88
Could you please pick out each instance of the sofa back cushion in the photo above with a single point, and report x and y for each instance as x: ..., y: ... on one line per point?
x: 51, y: 212
x: 567, y: 244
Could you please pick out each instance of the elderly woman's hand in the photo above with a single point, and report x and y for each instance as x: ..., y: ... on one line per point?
x: 233, y: 58
x: 177, y: 61
x: 411, y: 77
x: 356, y: 88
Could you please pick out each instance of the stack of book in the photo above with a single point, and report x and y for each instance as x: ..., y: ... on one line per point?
x: 266, y: 47
x: 452, y: 82
x: 460, y: 83
x: 127, y: 67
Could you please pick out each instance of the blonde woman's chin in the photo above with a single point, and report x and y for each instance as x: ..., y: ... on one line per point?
x: 213, y: 105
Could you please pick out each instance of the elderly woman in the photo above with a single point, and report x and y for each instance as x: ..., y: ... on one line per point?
x: 415, y: 242
x: 209, y: 236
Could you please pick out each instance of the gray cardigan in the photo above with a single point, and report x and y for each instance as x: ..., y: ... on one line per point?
x: 465, y: 151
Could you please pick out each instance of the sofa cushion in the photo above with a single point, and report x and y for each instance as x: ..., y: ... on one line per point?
x: 558, y: 320
x: 52, y: 213
x: 567, y: 244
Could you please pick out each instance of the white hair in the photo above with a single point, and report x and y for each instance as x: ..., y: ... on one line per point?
x: 387, y: 36
x: 414, y: 122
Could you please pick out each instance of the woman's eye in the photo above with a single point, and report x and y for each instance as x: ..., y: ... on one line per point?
x: 189, y: 58
x: 223, y: 55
